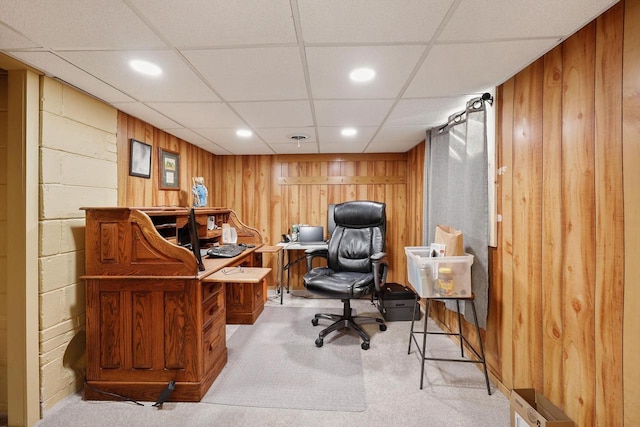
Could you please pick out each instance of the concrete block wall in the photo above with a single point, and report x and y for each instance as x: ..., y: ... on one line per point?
x: 78, y: 167
x: 3, y: 243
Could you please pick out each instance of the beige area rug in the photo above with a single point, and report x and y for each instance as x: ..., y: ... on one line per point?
x: 275, y: 363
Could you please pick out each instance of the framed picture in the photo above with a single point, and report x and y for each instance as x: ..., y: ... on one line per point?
x: 139, y: 159
x: 169, y: 170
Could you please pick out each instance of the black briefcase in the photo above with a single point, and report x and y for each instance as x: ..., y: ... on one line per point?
x: 396, y: 302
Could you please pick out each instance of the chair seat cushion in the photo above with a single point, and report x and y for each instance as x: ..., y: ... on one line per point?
x: 338, y: 284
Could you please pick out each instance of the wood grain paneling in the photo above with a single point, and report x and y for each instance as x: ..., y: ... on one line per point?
x: 505, y: 298
x: 631, y: 178
x: 581, y: 310
x: 578, y: 195
x: 609, y: 267
x: 552, y: 244
x: 527, y: 227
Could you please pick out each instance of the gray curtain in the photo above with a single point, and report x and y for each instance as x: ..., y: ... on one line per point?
x: 456, y: 193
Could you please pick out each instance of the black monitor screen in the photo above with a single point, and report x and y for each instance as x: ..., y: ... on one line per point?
x: 195, y: 240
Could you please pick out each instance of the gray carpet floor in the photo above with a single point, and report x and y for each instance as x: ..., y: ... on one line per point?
x: 454, y: 394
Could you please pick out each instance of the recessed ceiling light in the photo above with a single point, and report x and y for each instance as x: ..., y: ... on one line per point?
x: 362, y: 75
x: 348, y: 132
x: 145, y: 67
x: 244, y: 133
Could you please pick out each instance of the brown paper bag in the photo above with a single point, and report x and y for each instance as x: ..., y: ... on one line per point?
x: 451, y: 238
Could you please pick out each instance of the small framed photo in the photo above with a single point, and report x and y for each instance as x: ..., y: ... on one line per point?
x: 139, y: 159
x: 169, y: 170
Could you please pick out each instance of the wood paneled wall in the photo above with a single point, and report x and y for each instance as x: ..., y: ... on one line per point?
x: 564, y: 297
x: 271, y: 193
x: 136, y: 191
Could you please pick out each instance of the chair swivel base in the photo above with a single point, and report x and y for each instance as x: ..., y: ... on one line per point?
x: 346, y: 321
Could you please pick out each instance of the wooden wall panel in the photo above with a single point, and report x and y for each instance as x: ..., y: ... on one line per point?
x: 552, y: 228
x: 579, y: 223
x: 527, y: 227
x: 609, y: 267
x: 631, y: 177
x: 505, y: 207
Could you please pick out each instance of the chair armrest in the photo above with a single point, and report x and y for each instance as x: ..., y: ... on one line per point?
x: 314, y: 253
x: 380, y: 267
x: 378, y: 256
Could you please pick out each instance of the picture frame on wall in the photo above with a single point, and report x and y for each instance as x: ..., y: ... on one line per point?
x: 139, y: 159
x: 169, y: 167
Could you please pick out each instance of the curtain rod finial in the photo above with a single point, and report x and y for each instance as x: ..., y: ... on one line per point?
x: 487, y: 97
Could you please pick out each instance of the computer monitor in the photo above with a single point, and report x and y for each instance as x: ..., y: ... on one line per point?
x: 188, y: 237
x: 331, y: 223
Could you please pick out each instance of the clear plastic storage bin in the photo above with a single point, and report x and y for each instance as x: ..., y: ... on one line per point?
x: 423, y: 272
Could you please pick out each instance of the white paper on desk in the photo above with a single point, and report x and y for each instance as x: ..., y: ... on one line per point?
x: 229, y: 235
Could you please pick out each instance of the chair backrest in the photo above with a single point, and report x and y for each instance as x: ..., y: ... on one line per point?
x: 360, y: 231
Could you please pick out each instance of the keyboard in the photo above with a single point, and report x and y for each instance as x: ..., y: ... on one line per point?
x: 225, y: 251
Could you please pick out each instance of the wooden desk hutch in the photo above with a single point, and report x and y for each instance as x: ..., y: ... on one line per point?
x: 150, y: 316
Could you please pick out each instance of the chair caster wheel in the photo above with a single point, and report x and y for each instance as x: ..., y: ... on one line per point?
x: 314, y: 322
x: 365, y: 345
x: 383, y: 328
x: 319, y: 341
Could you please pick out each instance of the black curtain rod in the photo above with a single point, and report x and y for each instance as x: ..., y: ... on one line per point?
x: 457, y: 118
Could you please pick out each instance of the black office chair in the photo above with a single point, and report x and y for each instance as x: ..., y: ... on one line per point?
x: 356, y: 265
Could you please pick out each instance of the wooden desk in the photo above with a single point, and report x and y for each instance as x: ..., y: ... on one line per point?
x: 150, y: 316
x: 244, y: 287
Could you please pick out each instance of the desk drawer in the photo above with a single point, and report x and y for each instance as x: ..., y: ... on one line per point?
x: 213, y: 343
x: 209, y: 290
x: 214, y: 306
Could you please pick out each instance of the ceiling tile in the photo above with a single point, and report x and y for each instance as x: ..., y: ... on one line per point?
x: 206, y: 23
x: 292, y: 148
x: 55, y: 24
x: 252, y: 74
x: 370, y: 21
x: 63, y: 70
x: 458, y: 69
x: 329, y: 69
x: 425, y: 112
x: 177, y: 82
x: 332, y: 135
x: 495, y: 19
x: 143, y: 112
x: 199, y: 115
x: 227, y: 139
x: 370, y: 112
x: 189, y: 135
x: 275, y: 136
x: 412, y: 134
x: 9, y: 39
x: 275, y: 114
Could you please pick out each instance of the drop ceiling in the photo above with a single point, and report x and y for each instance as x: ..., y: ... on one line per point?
x: 281, y: 67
